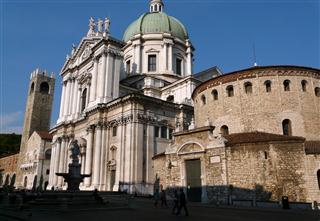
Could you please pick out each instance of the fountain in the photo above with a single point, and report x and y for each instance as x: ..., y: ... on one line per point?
x: 74, y: 177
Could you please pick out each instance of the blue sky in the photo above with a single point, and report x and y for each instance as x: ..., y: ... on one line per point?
x: 40, y: 34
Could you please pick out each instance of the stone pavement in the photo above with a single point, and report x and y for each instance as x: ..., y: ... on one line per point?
x: 143, y: 209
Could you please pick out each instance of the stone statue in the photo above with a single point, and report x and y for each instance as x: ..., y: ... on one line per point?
x: 75, y: 150
x: 92, y: 26
x: 107, y: 25
x: 100, y: 23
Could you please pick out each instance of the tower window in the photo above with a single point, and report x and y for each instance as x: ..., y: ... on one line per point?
x: 286, y: 127
x: 152, y: 63
x: 304, y: 85
x: 44, y: 88
x: 83, y: 99
x: 268, y: 86
x: 178, y: 66
x: 224, y: 130
x: 215, y: 94
x: 317, y: 91
x: 248, y: 87
x: 230, y: 91
x: 286, y: 85
x: 203, y: 99
x: 156, y: 8
x: 128, y: 65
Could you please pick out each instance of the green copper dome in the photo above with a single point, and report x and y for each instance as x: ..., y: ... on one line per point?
x: 156, y: 23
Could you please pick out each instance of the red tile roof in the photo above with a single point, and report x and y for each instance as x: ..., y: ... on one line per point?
x: 255, y: 137
x: 45, y: 135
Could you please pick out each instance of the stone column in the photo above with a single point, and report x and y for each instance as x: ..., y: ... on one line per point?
x: 170, y: 58
x: 88, y: 162
x: 103, y: 160
x: 62, y: 161
x: 93, y: 89
x: 71, y: 101
x: 101, y: 78
x: 97, y: 156
x: 149, y: 155
x: 108, y: 81
x: 165, y: 55
x: 61, y: 114
x: 51, y: 175
x: 75, y: 98
x: 189, y: 62
x: 78, y: 105
x: 56, y: 162
x: 67, y: 98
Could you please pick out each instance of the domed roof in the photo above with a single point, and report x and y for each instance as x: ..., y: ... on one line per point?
x: 156, y: 23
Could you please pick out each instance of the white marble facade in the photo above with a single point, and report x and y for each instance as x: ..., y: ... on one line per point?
x: 121, y: 111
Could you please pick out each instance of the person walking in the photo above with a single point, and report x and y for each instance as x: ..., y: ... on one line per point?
x: 182, y: 203
x: 175, y: 208
x: 156, y: 198
x: 163, y: 198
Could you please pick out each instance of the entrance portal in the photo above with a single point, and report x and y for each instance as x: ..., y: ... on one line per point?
x: 193, y: 171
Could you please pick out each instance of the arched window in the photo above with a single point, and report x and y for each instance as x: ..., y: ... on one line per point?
x: 203, y: 99
x: 317, y: 91
x: 224, y: 130
x: 286, y: 85
x: 32, y: 88
x: 47, y: 154
x: 318, y: 177
x: 230, y: 91
x: 44, y: 88
x: 215, y: 95
x: 83, y: 99
x: 170, y: 98
x: 160, y: 8
x: 286, y: 127
x: 248, y: 87
x: 304, y: 85
x: 268, y: 86
x: 156, y: 8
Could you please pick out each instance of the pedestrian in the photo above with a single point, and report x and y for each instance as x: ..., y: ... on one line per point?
x: 175, y: 208
x: 163, y: 198
x: 156, y: 198
x: 183, y: 203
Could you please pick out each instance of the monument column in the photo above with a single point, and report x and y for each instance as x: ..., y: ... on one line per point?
x: 56, y: 162
x: 88, y: 161
x: 97, y: 156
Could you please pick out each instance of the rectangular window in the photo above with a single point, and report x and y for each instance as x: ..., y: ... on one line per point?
x: 178, y: 66
x: 164, y: 132
x: 114, y: 131
x: 156, y: 131
x: 128, y: 67
x: 152, y: 63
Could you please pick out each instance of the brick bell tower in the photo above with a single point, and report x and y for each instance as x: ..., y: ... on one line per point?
x: 37, y: 114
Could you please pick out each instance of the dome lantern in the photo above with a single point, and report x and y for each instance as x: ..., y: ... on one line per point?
x: 156, y: 6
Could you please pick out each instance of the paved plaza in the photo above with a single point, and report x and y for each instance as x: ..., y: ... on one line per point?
x: 143, y: 209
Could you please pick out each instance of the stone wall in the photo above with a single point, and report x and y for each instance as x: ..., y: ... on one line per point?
x: 261, y: 110
x: 8, y: 166
x: 312, y: 166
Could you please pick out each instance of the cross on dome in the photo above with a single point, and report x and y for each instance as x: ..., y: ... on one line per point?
x: 156, y: 6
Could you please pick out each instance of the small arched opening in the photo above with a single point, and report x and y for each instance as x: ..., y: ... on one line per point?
x: 286, y: 85
x: 47, y: 154
x: 230, y: 91
x: 318, y: 177
x: 44, y: 88
x: 268, y: 86
x: 215, y: 95
x: 224, y: 130
x: 203, y: 99
x: 304, y: 85
x: 248, y: 87
x: 317, y: 91
x: 25, y: 182
x: 287, y: 127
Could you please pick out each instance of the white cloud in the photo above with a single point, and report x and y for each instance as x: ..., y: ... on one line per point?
x: 11, y: 122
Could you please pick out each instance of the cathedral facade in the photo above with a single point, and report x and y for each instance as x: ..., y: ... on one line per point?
x: 123, y: 99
